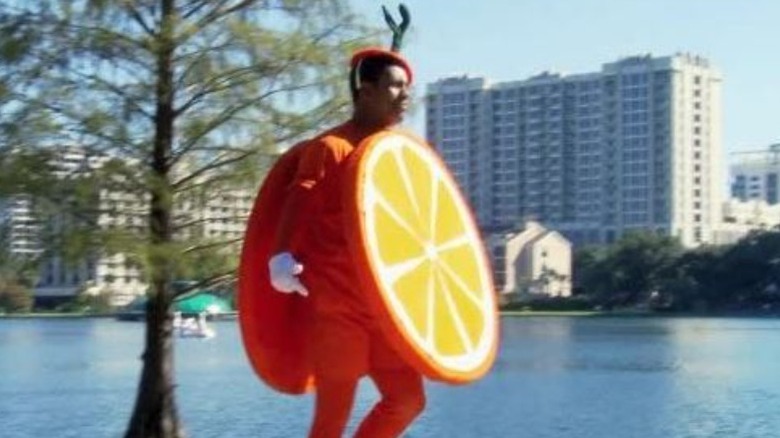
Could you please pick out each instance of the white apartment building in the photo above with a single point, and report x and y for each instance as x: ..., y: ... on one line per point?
x: 636, y: 145
x: 60, y: 279
x: 22, y: 227
x: 754, y: 175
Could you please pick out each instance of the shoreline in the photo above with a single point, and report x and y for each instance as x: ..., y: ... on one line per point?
x: 501, y: 313
x: 54, y: 315
x: 635, y: 314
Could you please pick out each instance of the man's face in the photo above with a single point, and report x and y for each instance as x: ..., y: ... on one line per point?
x: 388, y: 98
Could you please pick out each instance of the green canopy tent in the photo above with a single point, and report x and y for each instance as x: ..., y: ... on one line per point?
x: 189, y: 305
x: 202, y: 303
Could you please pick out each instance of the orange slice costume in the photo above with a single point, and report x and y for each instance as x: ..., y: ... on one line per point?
x: 411, y: 293
x: 345, y: 343
x: 342, y: 330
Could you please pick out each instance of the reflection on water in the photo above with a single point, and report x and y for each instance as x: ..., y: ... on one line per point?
x: 554, y: 377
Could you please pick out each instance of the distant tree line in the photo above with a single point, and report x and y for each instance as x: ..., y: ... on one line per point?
x: 17, y: 275
x: 651, y: 271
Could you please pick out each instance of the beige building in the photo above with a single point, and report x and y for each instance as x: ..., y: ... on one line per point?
x: 742, y: 217
x: 532, y: 262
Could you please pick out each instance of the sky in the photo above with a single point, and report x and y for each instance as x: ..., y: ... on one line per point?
x: 504, y: 40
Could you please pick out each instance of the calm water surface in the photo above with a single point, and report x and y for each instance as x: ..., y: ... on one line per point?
x: 554, y: 377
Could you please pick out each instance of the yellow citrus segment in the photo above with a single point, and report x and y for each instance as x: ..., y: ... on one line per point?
x: 412, y: 289
x: 400, y: 242
x: 421, y: 179
x: 449, y: 223
x: 460, y: 261
x: 427, y: 257
x: 460, y: 298
x: 446, y: 336
x: 387, y: 178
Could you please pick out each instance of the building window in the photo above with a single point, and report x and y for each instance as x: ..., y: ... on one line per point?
x: 771, y: 188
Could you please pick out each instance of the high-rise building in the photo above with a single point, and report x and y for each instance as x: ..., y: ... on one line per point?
x: 636, y: 145
x: 754, y: 175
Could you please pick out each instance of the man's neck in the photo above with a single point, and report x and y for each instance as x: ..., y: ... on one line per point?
x: 369, y: 124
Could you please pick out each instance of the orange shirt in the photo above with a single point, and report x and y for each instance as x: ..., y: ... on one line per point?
x: 313, y: 228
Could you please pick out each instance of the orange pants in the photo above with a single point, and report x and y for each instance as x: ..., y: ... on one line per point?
x: 343, y: 352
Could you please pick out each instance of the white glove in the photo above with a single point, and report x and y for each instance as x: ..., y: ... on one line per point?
x: 284, y: 270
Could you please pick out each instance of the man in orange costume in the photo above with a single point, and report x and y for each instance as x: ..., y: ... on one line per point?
x: 311, y: 255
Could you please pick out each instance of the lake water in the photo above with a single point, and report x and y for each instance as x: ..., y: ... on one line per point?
x: 554, y: 377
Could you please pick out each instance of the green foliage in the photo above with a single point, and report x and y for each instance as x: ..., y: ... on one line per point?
x: 546, y: 303
x: 653, y: 271
x: 25, y: 172
x: 14, y: 297
x: 85, y: 303
x: 17, y: 275
x: 629, y: 271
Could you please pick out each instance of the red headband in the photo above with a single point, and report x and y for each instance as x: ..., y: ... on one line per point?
x: 371, y: 52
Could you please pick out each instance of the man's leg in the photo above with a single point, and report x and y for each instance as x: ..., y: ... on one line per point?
x: 403, y: 399
x: 401, y: 388
x: 333, y: 403
x: 340, y: 355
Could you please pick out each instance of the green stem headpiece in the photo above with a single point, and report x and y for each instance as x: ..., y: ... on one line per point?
x: 398, y: 29
x: 394, y: 52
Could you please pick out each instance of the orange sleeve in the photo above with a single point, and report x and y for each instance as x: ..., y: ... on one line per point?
x: 305, y: 196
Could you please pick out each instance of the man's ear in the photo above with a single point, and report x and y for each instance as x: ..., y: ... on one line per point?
x: 366, y: 89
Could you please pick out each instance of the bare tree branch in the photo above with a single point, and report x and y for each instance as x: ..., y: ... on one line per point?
x: 226, y: 115
x: 138, y: 18
x: 114, y: 35
x: 117, y: 91
x: 195, y: 57
x: 198, y: 5
x: 188, y: 224
x: 213, y: 165
x: 218, y: 12
x: 206, y: 246
x: 129, y: 148
x: 225, y: 81
x: 222, y: 277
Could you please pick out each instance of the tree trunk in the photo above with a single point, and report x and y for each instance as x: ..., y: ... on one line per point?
x: 155, y: 414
